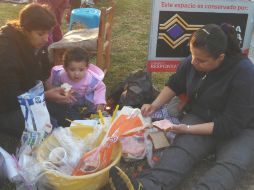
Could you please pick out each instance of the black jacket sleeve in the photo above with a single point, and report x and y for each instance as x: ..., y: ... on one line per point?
x: 9, y: 82
x: 238, y: 113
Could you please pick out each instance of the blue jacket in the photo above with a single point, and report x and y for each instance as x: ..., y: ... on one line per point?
x: 224, y: 96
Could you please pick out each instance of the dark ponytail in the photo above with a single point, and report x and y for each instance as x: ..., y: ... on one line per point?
x: 233, y: 42
x: 216, y: 40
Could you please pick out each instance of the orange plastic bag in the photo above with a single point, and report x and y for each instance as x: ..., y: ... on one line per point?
x: 99, y: 157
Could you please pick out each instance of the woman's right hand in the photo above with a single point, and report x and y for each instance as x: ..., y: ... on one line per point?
x: 165, y: 96
x: 148, y: 109
x: 57, y: 95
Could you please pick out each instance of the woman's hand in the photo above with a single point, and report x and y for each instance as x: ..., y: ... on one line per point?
x: 57, y: 95
x: 197, y: 129
x: 179, y: 129
x: 165, y: 96
x: 100, y: 107
x: 148, y: 109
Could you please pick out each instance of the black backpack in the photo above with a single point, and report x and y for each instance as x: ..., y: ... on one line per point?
x: 137, y: 89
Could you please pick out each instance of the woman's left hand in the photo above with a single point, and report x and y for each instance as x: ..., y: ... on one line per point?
x: 197, y: 129
x: 179, y: 129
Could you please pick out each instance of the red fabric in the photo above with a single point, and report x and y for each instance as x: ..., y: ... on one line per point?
x: 58, y: 7
x: 183, y: 101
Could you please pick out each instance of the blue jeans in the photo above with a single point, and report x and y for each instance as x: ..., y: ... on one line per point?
x: 233, y: 158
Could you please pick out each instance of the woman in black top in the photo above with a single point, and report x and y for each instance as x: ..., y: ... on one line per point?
x: 218, y: 117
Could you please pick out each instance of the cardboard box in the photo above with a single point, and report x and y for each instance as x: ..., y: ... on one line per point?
x: 159, y: 140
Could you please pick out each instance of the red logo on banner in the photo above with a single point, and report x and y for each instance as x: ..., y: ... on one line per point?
x: 162, y: 66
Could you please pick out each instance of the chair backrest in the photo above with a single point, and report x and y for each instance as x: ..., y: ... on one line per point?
x: 104, y: 37
x: 102, y: 51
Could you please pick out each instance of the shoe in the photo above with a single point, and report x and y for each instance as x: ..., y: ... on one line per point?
x: 119, y: 180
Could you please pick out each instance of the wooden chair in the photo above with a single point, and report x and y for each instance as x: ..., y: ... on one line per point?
x: 104, y: 37
x: 97, y: 42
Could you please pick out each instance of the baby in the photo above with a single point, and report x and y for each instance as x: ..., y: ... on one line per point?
x: 85, y: 81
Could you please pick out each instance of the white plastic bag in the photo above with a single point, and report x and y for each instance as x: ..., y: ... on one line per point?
x: 37, y: 120
x: 133, y: 147
x: 37, y: 127
x: 8, y: 166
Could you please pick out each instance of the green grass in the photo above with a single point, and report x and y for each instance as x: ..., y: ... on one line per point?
x: 8, y: 11
x: 130, y: 36
x: 130, y: 40
x: 129, y: 52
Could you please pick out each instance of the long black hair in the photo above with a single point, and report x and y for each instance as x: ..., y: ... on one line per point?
x: 216, y: 39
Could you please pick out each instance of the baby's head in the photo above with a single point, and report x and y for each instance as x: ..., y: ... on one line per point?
x: 75, y: 63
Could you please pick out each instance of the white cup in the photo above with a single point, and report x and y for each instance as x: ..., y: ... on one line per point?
x: 58, y: 156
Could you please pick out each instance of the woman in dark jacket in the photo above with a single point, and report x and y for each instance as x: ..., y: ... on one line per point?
x: 23, y: 61
x: 218, y: 117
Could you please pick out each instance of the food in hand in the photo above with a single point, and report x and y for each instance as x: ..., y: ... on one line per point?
x: 163, y: 124
x: 67, y: 88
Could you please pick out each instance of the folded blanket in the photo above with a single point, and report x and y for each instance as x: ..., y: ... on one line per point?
x: 84, y: 38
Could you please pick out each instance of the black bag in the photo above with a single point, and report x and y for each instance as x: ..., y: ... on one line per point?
x: 136, y: 90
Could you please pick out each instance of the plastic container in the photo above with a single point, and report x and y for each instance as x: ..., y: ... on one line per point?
x: 60, y: 181
x: 58, y: 156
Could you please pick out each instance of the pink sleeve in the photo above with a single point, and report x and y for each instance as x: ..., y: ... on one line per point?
x: 100, y: 93
x: 55, y: 78
x: 52, y: 73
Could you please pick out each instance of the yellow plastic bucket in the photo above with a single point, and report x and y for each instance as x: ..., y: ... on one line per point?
x: 60, y: 181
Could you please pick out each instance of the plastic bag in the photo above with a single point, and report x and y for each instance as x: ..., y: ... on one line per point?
x: 8, y: 166
x: 99, y: 158
x: 133, y: 147
x: 73, y: 147
x: 37, y: 127
x: 37, y: 120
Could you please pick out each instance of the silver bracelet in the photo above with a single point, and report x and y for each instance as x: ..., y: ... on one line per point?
x: 188, y: 126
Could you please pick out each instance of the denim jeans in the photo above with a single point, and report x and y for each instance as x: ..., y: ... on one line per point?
x: 233, y: 157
